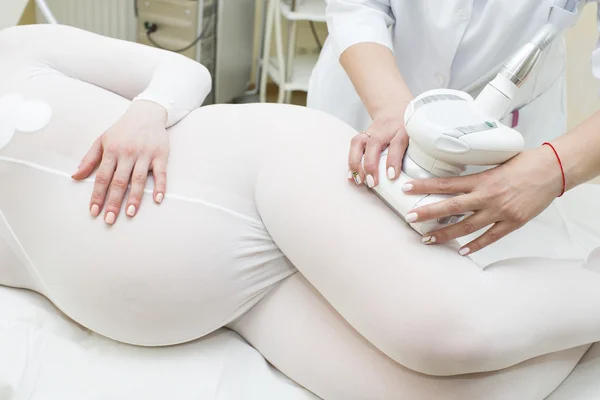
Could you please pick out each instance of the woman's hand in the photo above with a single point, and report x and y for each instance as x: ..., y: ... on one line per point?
x: 374, y: 74
x: 506, y: 197
x: 386, y: 131
x: 136, y: 144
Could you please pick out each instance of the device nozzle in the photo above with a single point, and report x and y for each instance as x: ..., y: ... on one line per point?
x: 518, y: 68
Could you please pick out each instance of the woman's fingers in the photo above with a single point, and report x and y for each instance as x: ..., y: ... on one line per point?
x: 357, y: 150
x: 467, y: 226
x: 139, y: 177
x: 451, y: 185
x: 103, y: 179
x: 375, y: 146
x: 396, y: 151
x: 112, y: 182
x: 117, y: 189
x: 159, y: 171
x: 90, y: 161
x: 492, y: 235
x: 457, y: 205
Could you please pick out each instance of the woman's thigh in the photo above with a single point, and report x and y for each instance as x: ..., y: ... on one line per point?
x: 171, y: 274
x: 303, y: 336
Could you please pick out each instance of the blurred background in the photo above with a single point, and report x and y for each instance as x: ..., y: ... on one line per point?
x: 233, y: 37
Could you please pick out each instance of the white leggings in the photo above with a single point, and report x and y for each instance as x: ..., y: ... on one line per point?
x: 255, y: 192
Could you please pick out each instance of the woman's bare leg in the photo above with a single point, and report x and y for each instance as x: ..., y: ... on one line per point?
x: 426, y: 307
x: 303, y: 336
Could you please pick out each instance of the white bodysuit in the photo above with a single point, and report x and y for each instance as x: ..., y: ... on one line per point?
x: 255, y: 194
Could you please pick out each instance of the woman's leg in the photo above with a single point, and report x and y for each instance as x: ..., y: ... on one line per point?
x: 303, y: 336
x: 426, y: 307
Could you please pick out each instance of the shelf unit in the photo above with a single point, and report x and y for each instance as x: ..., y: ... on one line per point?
x: 289, y: 71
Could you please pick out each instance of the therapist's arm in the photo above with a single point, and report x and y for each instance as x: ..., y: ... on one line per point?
x: 359, y: 31
x: 579, y: 152
x: 377, y: 80
x: 164, y: 87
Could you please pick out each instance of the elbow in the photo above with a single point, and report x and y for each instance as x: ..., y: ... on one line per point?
x: 193, y: 75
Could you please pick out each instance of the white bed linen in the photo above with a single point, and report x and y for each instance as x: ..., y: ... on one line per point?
x: 45, y: 356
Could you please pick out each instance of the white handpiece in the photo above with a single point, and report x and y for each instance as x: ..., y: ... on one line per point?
x: 449, y: 130
x: 390, y: 192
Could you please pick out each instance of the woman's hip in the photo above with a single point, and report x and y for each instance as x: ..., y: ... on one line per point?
x: 173, y: 273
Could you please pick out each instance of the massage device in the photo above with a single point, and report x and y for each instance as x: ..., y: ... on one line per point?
x: 449, y: 130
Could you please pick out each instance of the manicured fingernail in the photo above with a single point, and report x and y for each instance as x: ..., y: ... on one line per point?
x: 464, y: 251
x: 411, y: 217
x: 391, y: 173
x: 159, y: 198
x: 428, y: 240
x: 110, y: 218
x: 407, y: 187
x: 370, y: 181
x: 357, y: 179
x: 95, y: 210
x: 350, y: 175
x: 131, y: 210
x: 76, y: 172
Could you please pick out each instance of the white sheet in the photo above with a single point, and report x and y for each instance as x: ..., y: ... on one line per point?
x: 10, y: 14
x: 45, y: 356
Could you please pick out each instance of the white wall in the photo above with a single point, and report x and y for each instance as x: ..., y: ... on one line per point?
x: 11, y: 12
x: 582, y: 88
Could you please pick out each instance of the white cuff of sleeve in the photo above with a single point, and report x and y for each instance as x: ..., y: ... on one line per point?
x: 174, y: 113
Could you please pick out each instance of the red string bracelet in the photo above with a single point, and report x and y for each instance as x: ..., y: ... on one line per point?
x: 562, y: 171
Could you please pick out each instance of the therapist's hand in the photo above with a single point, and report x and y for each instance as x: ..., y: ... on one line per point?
x: 505, y: 197
x: 136, y: 144
x: 386, y: 131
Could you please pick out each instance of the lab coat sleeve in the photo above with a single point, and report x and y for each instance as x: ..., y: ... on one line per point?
x: 596, y: 53
x: 359, y: 21
x: 131, y: 70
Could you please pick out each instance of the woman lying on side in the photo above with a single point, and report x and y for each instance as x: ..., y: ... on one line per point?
x: 257, y: 230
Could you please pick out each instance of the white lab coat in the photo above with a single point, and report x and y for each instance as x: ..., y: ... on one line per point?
x: 450, y: 44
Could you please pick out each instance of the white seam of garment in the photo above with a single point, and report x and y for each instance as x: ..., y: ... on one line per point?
x: 29, y: 164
